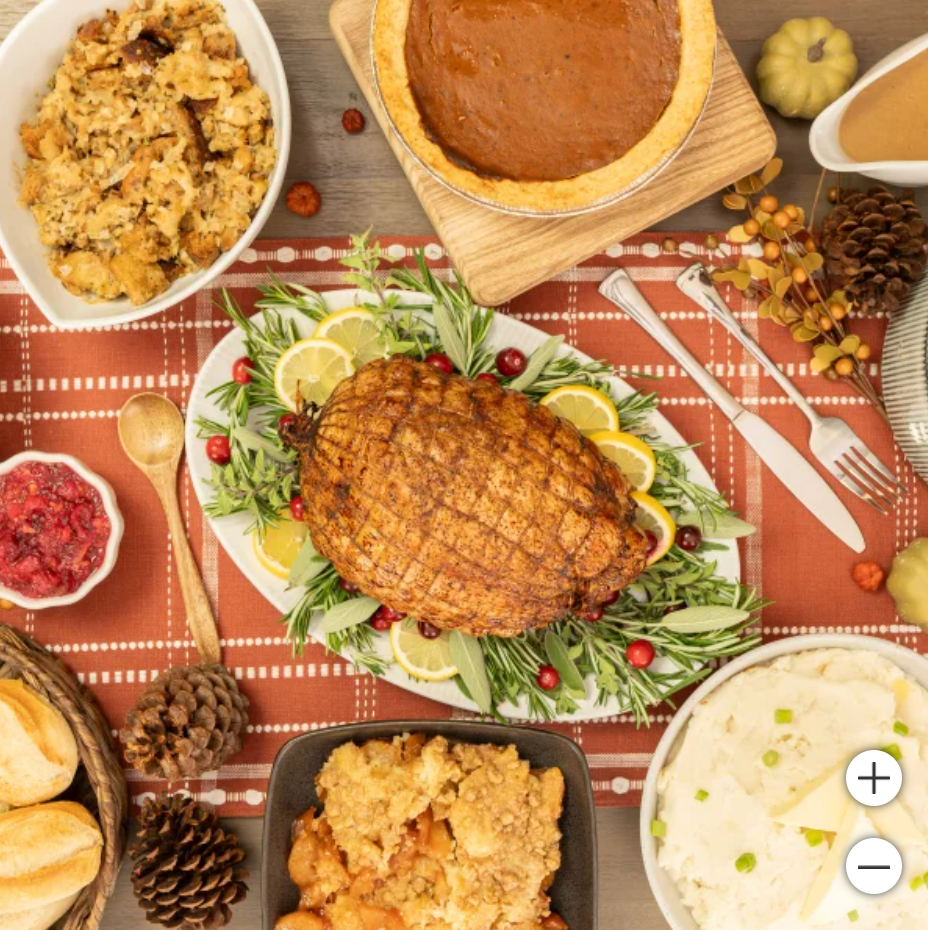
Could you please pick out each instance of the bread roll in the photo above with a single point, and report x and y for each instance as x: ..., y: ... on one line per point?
x: 40, y: 918
x: 38, y: 752
x: 47, y: 853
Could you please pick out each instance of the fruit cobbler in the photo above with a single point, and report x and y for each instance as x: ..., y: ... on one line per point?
x: 152, y: 152
x: 423, y: 835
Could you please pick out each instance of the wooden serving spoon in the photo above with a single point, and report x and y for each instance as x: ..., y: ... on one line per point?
x: 151, y: 431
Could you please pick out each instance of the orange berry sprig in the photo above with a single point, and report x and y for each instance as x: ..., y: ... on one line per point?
x: 788, y: 279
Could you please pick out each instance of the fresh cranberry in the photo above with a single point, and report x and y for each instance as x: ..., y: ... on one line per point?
x: 428, y: 630
x: 640, y: 653
x: 653, y: 543
x: 689, y: 538
x: 349, y: 587
x: 441, y: 362
x: 594, y: 615
x: 510, y: 362
x: 241, y: 370
x: 611, y: 598
x: 218, y: 450
x: 548, y: 678
x: 385, y: 618
x: 380, y: 623
x: 296, y: 509
x: 288, y: 419
x: 488, y: 376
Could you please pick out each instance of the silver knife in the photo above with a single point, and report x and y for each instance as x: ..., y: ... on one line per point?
x: 785, y: 461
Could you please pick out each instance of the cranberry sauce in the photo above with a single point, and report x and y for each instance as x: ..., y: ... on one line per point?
x: 53, y: 529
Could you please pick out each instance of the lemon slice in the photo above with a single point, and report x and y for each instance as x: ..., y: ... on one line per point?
x: 588, y: 409
x: 652, y: 517
x: 425, y: 659
x: 633, y: 456
x: 278, y: 548
x: 356, y: 329
x: 309, y: 371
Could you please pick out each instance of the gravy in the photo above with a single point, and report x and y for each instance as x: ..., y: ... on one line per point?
x: 888, y: 121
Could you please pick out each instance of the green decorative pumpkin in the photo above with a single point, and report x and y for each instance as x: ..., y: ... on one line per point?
x: 806, y: 66
x: 908, y: 583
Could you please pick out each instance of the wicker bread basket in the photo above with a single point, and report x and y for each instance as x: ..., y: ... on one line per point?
x: 99, y: 785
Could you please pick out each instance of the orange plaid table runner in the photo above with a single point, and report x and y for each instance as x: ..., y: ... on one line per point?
x: 62, y: 391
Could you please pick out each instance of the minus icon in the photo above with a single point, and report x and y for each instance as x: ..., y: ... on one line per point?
x: 873, y: 867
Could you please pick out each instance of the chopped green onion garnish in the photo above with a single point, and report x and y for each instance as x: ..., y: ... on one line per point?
x: 917, y: 882
x: 893, y: 751
x: 853, y: 916
x: 783, y: 716
x: 702, y: 795
x: 815, y: 838
x: 900, y: 728
x: 746, y: 863
x: 771, y: 758
x: 658, y: 829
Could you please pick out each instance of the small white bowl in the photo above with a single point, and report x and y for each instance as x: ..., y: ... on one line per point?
x: 117, y: 527
x: 29, y: 57
x: 662, y: 885
x: 825, y: 134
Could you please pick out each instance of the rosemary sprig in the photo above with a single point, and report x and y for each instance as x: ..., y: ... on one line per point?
x: 357, y: 643
x: 253, y: 482
x: 280, y: 296
x: 468, y: 324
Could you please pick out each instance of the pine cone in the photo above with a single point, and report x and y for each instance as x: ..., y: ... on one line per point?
x: 188, y: 721
x: 185, y: 873
x: 874, y: 247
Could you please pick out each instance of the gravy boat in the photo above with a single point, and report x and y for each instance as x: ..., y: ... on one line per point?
x: 825, y: 140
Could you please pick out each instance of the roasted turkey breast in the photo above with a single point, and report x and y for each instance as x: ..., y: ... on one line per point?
x: 461, y: 503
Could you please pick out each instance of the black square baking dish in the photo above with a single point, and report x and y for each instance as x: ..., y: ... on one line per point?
x: 293, y: 790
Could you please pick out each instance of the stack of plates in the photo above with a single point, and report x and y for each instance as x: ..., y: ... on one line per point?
x: 905, y: 377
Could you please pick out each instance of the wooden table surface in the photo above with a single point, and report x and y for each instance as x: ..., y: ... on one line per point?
x: 362, y: 185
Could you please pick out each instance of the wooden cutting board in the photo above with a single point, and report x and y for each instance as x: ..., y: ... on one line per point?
x: 501, y: 256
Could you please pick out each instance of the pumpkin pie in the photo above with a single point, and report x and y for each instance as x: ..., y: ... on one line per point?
x: 544, y: 105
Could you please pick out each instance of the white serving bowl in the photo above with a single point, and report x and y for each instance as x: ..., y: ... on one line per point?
x: 117, y: 527
x: 825, y: 139
x: 662, y: 885
x: 29, y: 57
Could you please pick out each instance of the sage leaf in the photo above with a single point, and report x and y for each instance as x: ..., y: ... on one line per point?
x: 451, y: 340
x: 559, y: 656
x: 348, y: 614
x: 704, y: 619
x: 306, y: 566
x: 249, y: 439
x: 723, y: 525
x: 467, y: 655
x: 537, y: 363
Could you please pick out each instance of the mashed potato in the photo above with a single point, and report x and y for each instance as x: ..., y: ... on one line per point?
x: 717, y: 795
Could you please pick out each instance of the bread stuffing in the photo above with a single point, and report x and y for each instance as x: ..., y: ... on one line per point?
x: 151, y: 153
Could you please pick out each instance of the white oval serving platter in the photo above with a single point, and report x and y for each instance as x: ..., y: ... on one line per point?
x: 231, y: 531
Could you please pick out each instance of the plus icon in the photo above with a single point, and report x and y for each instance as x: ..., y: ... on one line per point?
x: 873, y: 778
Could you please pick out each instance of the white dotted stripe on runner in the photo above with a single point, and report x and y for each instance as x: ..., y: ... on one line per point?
x: 209, y: 554
x: 665, y: 400
x: 184, y: 643
x: 214, y: 796
x: 249, y: 673
x: 184, y: 381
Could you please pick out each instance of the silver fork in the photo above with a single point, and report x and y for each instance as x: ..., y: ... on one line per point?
x: 832, y: 442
